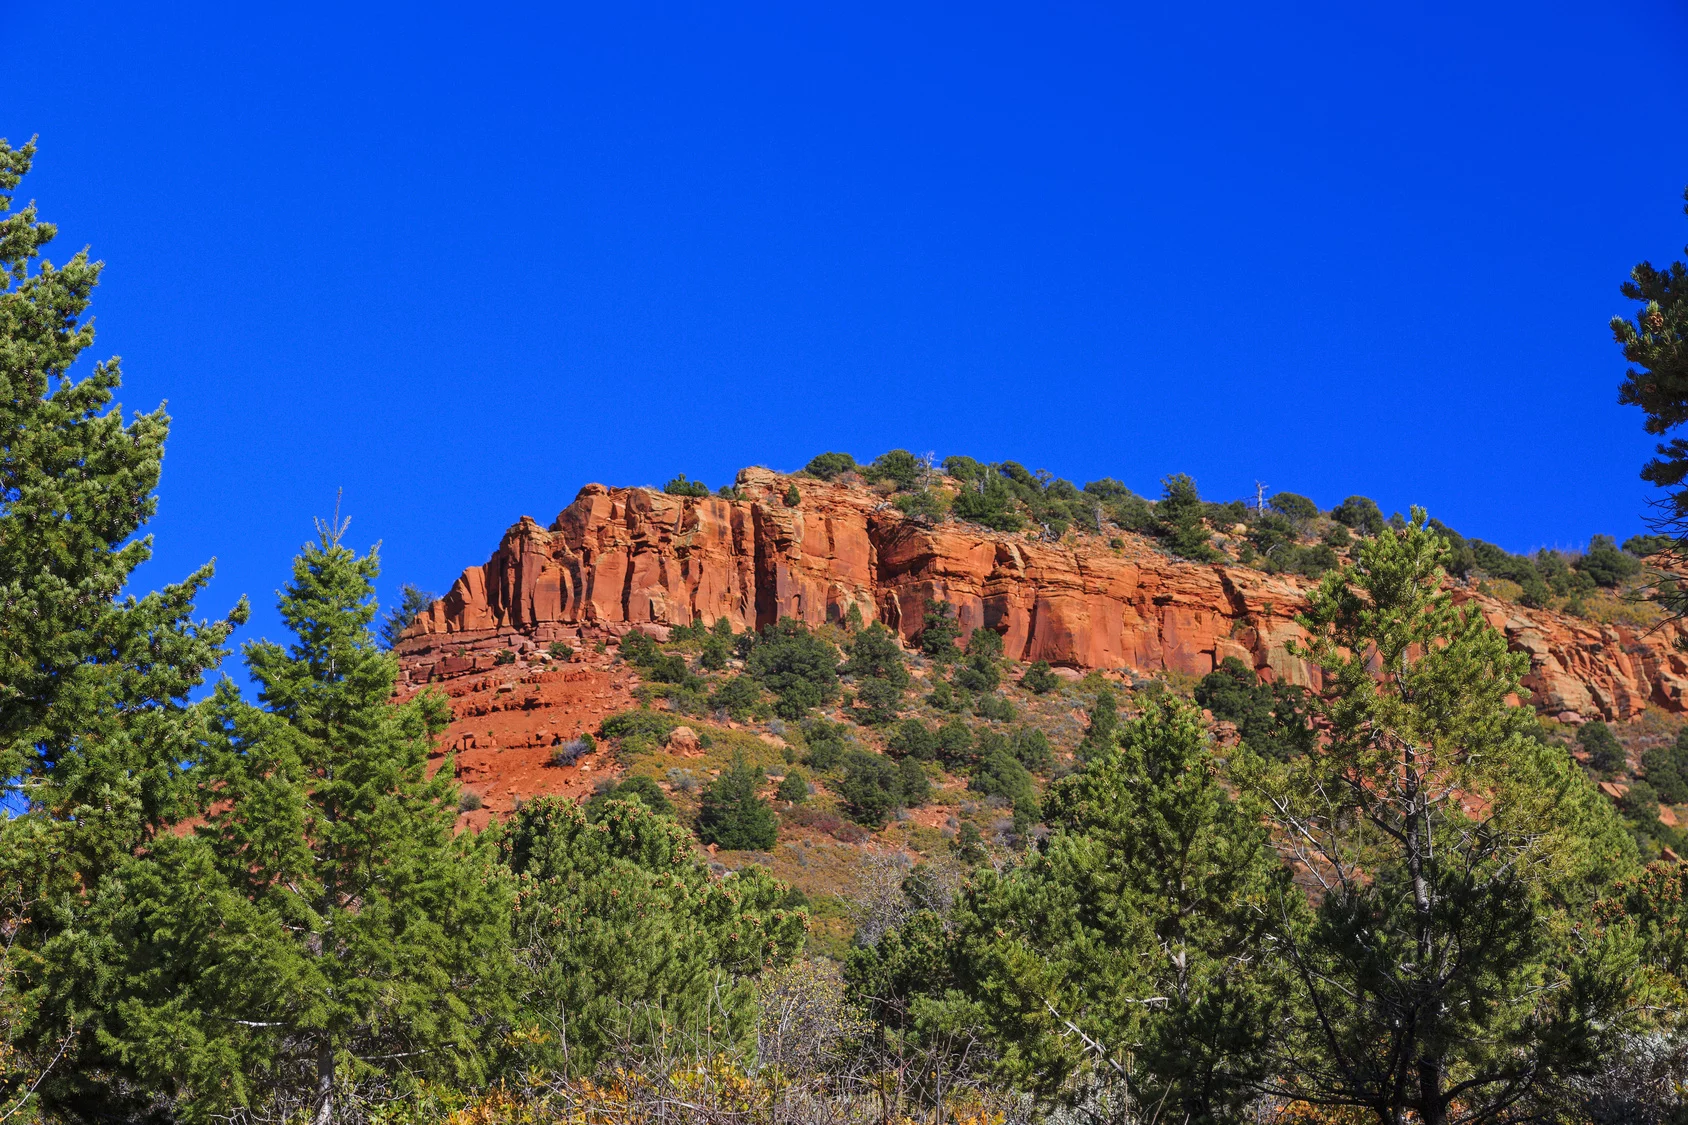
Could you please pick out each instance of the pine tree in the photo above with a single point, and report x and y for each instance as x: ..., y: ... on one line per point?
x: 1447, y: 974
x: 94, y: 714
x: 1124, y: 964
x: 321, y: 936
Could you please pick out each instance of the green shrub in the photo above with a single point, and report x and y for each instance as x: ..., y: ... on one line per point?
x: 1641, y: 546
x: 667, y: 668
x: 794, y: 788
x: 1667, y: 770
x: 874, y: 652
x: 987, y: 501
x: 939, y: 632
x: 995, y: 708
x: 1605, y: 564
x: 1337, y: 536
x: 1640, y: 804
x: 639, y: 648
x: 560, y: 650
x: 730, y: 492
x: 412, y: 602
x: 1297, y: 508
x: 829, y: 465
x: 873, y: 786
x: 732, y: 816
x: 642, y: 790
x: 793, y: 497
x: 916, y: 787
x: 969, y: 844
x: 944, y: 697
x: 505, y: 656
x: 637, y: 730
x: 913, y: 739
x: 715, y: 651
x: 955, y: 742
x: 738, y: 696
x: 899, y: 466
x: 1178, y: 519
x: 924, y: 505
x: 799, y: 667
x: 1031, y: 748
x: 1271, y: 719
x: 1605, y: 754
x: 826, y: 743
x: 999, y: 774
x: 1040, y: 679
x: 469, y: 801
x: 878, y: 702
x: 1360, y: 513
x: 680, y: 486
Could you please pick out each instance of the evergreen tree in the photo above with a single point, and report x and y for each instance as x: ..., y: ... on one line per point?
x: 1444, y: 976
x: 1178, y: 519
x: 1125, y: 964
x: 625, y: 940
x: 731, y: 815
x: 412, y: 601
x: 1656, y: 345
x: 321, y: 936
x: 94, y: 713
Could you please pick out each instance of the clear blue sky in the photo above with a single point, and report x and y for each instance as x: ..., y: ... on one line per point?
x: 460, y: 261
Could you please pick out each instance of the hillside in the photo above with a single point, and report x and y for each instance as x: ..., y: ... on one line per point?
x: 532, y: 649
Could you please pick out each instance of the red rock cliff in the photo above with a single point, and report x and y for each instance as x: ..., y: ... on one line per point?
x: 618, y: 559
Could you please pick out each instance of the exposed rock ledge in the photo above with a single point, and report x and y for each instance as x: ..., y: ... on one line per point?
x: 625, y: 558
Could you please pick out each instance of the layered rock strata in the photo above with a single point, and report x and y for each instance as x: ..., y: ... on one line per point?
x: 625, y: 558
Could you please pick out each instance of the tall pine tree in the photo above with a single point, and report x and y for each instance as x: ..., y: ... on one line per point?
x: 94, y: 717
x: 322, y: 937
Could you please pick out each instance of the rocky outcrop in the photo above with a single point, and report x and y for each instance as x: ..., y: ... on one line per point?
x: 619, y: 559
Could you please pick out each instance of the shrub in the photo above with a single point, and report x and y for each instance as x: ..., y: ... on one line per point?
x: 668, y: 668
x: 730, y: 492
x: 412, y: 601
x: 913, y: 739
x: 995, y: 708
x: 793, y: 497
x: 879, y: 701
x: 680, y: 486
x: 560, y: 650
x: 978, y: 675
x: 505, y: 656
x: 794, y: 789
x: 924, y: 505
x: 987, y: 501
x: 1360, y: 513
x: 1295, y: 507
x: 826, y: 743
x: 1337, y: 536
x: 1271, y: 719
x: 800, y: 668
x: 637, y: 730
x: 738, y: 696
x: 1178, y: 519
x: 1667, y: 770
x: 1040, y: 679
x: 916, y: 787
x: 731, y: 815
x: 1031, y: 747
x: 939, y: 632
x: 874, y: 785
x: 1605, y: 754
x: 955, y: 742
x: 999, y: 774
x: 1607, y: 565
x: 716, y: 650
x: 570, y: 752
x: 969, y: 844
x: 1640, y: 803
x: 899, y: 466
x: 944, y: 697
x: 1641, y: 546
x: 874, y: 652
x: 639, y: 648
x: 829, y: 465
x: 468, y: 801
x: 642, y: 790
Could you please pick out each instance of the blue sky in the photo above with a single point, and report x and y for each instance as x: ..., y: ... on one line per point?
x: 458, y: 262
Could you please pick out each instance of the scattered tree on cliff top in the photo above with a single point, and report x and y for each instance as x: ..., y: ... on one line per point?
x: 1178, y: 519
x: 94, y: 714
x: 829, y: 465
x: 322, y: 931
x: 1655, y: 343
x: 412, y: 601
x: 1446, y: 973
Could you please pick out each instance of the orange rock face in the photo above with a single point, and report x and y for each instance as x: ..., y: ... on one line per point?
x: 619, y: 559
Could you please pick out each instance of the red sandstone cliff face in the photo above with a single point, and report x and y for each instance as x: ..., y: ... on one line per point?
x: 618, y: 559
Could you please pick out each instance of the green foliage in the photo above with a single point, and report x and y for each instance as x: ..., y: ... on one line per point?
x: 715, y: 650
x: 985, y: 499
x: 1657, y: 379
x: 1178, y: 520
x: 878, y: 702
x: 504, y: 656
x: 1643, y: 546
x: 1103, y: 724
x: 874, y: 785
x: 1425, y: 895
x: 1360, y: 513
x: 826, y: 743
x: 939, y: 632
x: 1295, y: 507
x: 1667, y: 768
x: 829, y: 465
x: 1040, y: 679
x: 638, y: 731
x: 898, y: 466
x: 730, y: 813
x: 994, y: 708
x: 1151, y: 885
x: 626, y: 940
x: 793, y: 497
x: 955, y: 743
x: 875, y: 653
x: 1640, y: 803
x: 680, y: 486
x: 634, y: 787
x: 1122, y: 505
x: 95, y: 721
x: 945, y: 697
x: 412, y: 601
x: 323, y: 910
x: 914, y: 739
x: 639, y: 648
x: 1605, y: 564
x: 560, y: 650
x: 738, y: 696
x: 1000, y: 774
x: 799, y: 667
x: 793, y: 788
x: 924, y: 505
x: 1605, y: 755
x: 1271, y: 719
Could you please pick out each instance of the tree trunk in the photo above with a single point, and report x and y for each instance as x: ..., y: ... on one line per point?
x: 324, y: 1113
